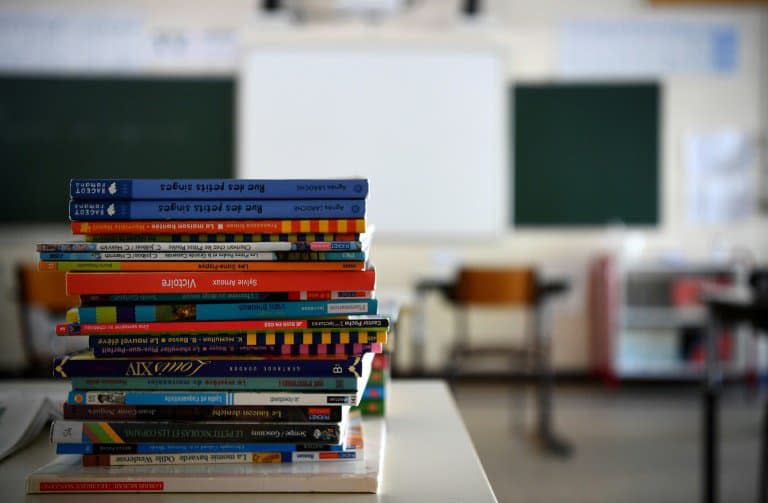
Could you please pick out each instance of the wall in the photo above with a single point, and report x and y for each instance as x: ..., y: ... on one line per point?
x: 526, y: 32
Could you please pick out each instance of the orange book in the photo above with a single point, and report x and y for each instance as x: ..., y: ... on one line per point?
x: 210, y: 266
x: 219, y: 227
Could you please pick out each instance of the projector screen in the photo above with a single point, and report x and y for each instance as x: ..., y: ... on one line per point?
x: 427, y: 127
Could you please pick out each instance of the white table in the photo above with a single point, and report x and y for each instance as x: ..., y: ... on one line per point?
x: 428, y: 457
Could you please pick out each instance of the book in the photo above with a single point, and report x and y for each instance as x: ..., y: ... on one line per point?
x: 216, y: 209
x: 189, y: 447
x: 137, y: 188
x: 208, y: 282
x: 67, y: 475
x: 247, y: 413
x: 217, y: 458
x: 276, y: 384
x: 199, y: 256
x: 153, y: 298
x: 220, y: 311
x: 206, y: 266
x: 283, y: 226
x: 363, y: 329
x: 153, y: 397
x: 297, y: 237
x: 113, y: 432
x: 195, y: 247
x: 84, y: 364
x: 196, y: 453
x: 215, y: 345
x: 23, y: 416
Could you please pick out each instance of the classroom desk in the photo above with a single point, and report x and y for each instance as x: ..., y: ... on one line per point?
x: 428, y: 457
x: 728, y: 308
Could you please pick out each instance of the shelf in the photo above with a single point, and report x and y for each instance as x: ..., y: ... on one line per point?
x: 663, y: 317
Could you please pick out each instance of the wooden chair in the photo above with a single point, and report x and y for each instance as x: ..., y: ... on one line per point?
x: 45, y: 291
x: 510, y: 287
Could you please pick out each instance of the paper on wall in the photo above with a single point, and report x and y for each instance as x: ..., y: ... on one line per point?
x: 721, y: 170
x: 647, y: 48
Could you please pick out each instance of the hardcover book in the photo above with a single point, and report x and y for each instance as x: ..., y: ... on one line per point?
x: 208, y: 266
x: 363, y: 329
x: 252, y: 413
x: 100, y: 432
x: 153, y: 397
x: 209, y: 282
x: 221, y: 311
x: 219, y: 227
x: 136, y: 188
x: 216, y: 210
x: 84, y: 364
x: 194, y: 247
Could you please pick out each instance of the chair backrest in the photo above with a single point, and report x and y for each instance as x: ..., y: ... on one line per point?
x: 44, y: 289
x: 503, y: 286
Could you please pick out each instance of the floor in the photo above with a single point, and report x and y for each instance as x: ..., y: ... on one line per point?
x: 629, y: 444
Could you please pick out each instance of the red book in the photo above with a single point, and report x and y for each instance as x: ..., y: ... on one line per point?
x: 209, y: 282
x: 340, y: 226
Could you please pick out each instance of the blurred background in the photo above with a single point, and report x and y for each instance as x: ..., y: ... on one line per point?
x: 599, y: 165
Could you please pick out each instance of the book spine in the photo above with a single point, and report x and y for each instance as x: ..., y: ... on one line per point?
x: 222, y: 266
x: 169, y: 282
x: 301, y: 238
x: 66, y: 367
x: 183, y: 459
x: 270, y: 414
x: 126, y: 189
x: 188, y: 447
x: 197, y: 247
x: 87, y: 300
x: 224, y: 311
x: 109, y: 349
x: 283, y: 226
x: 276, y: 384
x: 64, y: 431
x: 202, y: 256
x: 216, y: 458
x: 301, y: 331
x: 210, y: 398
x: 97, y: 210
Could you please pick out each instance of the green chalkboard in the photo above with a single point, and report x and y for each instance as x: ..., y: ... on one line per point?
x: 54, y: 129
x: 585, y: 154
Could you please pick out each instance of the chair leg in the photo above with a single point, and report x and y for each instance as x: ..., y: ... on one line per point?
x: 545, y: 381
x: 763, y: 474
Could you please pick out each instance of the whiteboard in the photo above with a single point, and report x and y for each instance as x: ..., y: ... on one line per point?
x: 426, y: 126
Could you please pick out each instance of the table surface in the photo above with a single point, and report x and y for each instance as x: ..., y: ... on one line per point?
x: 428, y: 456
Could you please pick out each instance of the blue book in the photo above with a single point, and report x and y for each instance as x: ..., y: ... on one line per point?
x: 182, y: 447
x: 85, y: 364
x: 223, y: 256
x: 135, y: 397
x: 217, y: 209
x: 224, y: 311
x: 125, y: 189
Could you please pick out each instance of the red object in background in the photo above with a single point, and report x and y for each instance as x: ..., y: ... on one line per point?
x: 724, y: 349
x: 686, y: 292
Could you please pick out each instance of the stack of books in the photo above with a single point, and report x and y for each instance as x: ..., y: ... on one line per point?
x: 229, y: 321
